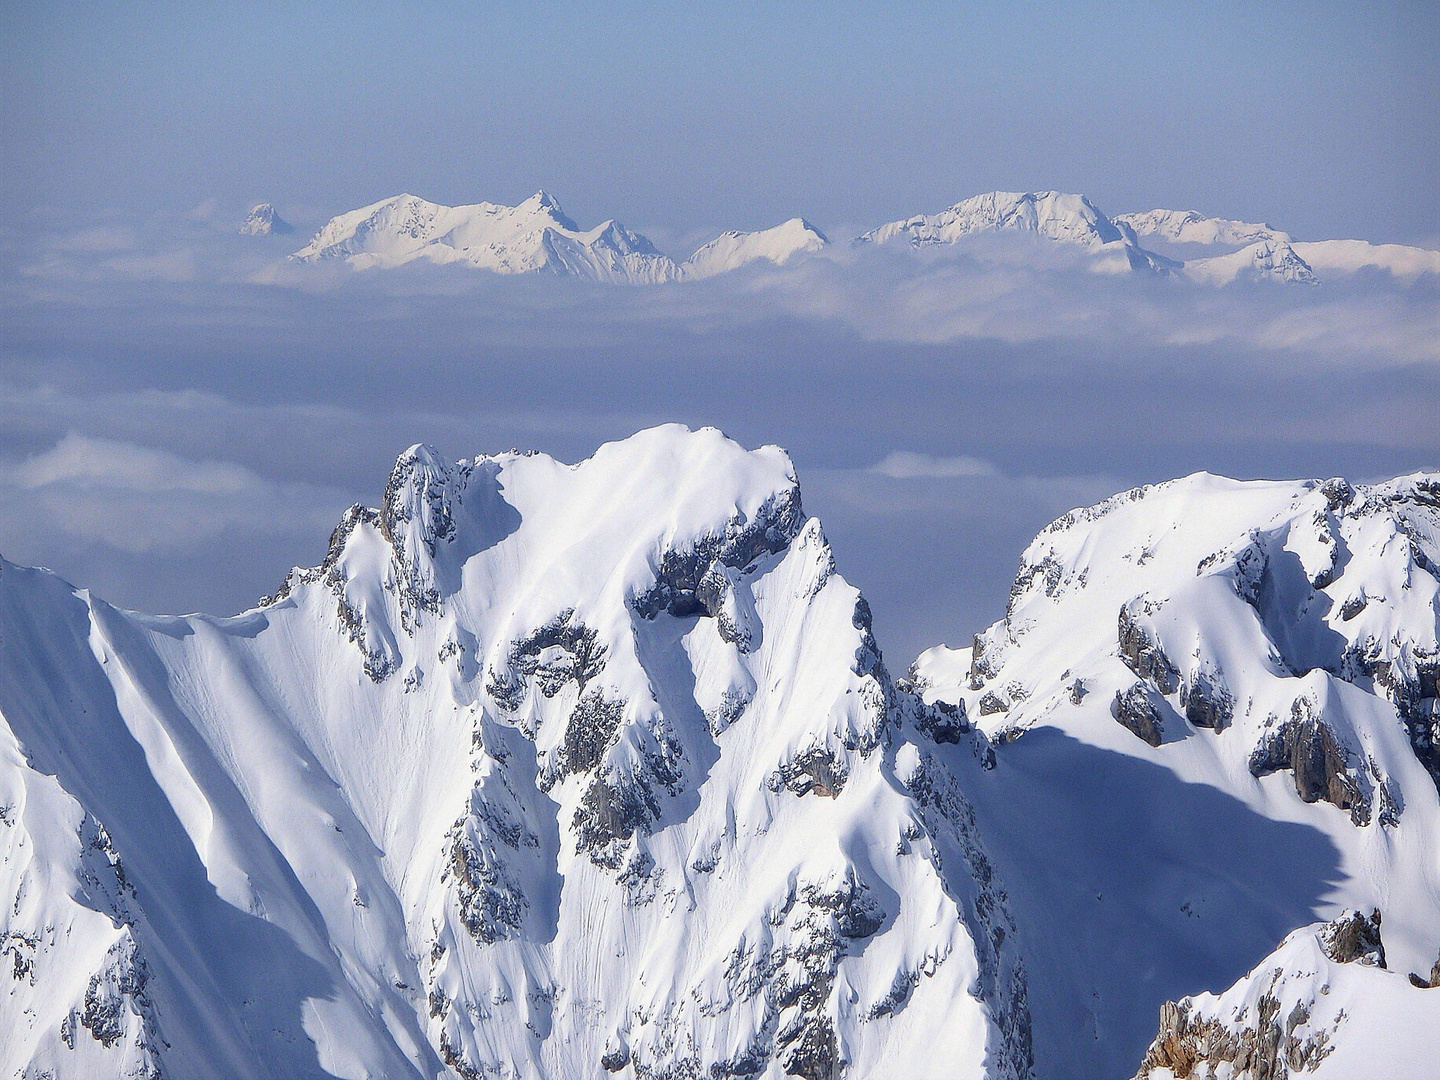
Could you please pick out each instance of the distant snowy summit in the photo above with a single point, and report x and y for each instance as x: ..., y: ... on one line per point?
x: 1053, y: 215
x: 732, y: 250
x: 264, y: 221
x: 1222, y: 250
x: 535, y: 237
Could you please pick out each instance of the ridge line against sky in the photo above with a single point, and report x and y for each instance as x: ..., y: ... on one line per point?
x: 1325, y: 117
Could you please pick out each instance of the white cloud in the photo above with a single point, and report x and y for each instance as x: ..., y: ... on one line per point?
x: 135, y: 499
x: 908, y: 465
x: 87, y: 462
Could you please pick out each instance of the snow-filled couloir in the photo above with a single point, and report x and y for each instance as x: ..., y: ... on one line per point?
x: 546, y: 770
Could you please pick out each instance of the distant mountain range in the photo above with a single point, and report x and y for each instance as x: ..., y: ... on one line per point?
x: 536, y: 237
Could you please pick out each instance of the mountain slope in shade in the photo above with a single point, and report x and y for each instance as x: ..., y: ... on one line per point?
x: 777, y: 245
x: 1214, y: 705
x: 534, y: 237
x: 1067, y: 219
x: 546, y: 770
x: 264, y: 220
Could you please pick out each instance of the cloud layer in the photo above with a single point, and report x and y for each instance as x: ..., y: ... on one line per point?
x: 183, y: 414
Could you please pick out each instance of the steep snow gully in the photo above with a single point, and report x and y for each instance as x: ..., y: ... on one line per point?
x: 560, y: 771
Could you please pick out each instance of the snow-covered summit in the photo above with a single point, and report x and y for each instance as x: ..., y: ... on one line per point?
x: 1058, y: 216
x: 555, y: 769
x: 777, y: 245
x: 1217, y: 703
x: 1192, y: 227
x: 1071, y: 219
x: 546, y: 770
x: 263, y: 220
x: 533, y: 237
x: 1212, y: 249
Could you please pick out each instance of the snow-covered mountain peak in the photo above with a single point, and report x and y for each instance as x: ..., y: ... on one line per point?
x: 534, y: 237
x: 264, y: 220
x: 1055, y: 215
x: 557, y: 769
x: 549, y: 769
x: 778, y: 245
x: 1192, y: 227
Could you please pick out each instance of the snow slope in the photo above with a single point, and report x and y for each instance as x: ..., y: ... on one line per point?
x: 1336, y: 257
x: 1192, y: 227
x: 534, y: 237
x: 732, y: 250
x: 1215, y: 710
x: 1264, y: 260
x: 546, y: 770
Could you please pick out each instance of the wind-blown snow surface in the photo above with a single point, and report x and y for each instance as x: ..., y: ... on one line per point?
x: 545, y: 770
x: 1217, y: 705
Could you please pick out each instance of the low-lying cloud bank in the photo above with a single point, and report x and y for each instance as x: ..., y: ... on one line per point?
x: 184, y: 413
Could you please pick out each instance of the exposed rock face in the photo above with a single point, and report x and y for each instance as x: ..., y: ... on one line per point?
x: 1276, y: 1022
x: 1354, y: 938
x: 1140, y: 711
x: 1432, y: 982
x: 1142, y: 652
x: 1271, y: 1047
x: 1207, y: 703
x: 1321, y: 766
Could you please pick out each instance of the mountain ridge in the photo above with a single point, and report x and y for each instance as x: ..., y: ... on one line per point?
x: 537, y: 237
x: 600, y: 767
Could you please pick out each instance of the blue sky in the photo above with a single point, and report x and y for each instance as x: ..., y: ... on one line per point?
x: 1322, y: 117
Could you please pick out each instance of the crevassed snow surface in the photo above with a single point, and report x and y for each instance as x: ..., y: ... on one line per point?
x: 548, y: 770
